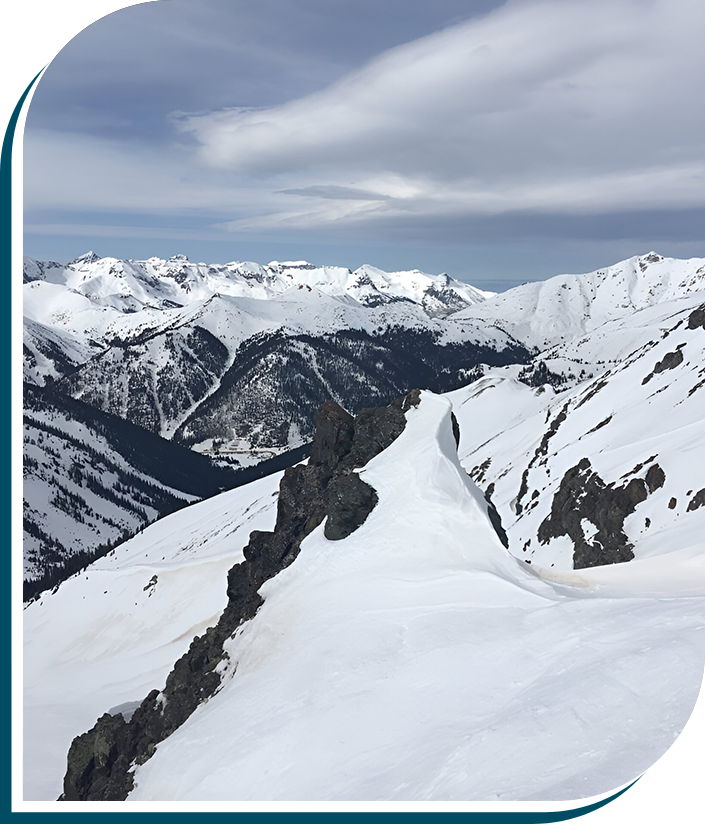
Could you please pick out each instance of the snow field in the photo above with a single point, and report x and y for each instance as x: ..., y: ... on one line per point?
x: 416, y: 660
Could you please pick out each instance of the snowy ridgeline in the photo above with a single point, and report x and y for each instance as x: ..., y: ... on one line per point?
x: 129, y: 285
x: 233, y: 360
x: 415, y: 659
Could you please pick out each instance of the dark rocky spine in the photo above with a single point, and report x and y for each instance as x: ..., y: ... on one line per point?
x: 99, y: 761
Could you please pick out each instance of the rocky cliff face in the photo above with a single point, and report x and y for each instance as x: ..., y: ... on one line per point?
x: 99, y: 761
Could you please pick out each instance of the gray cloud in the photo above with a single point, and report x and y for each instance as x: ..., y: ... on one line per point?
x: 543, y: 120
x: 335, y: 193
x: 578, y: 104
x: 125, y: 73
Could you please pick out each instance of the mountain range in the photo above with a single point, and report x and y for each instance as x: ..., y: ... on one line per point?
x: 230, y: 362
x: 492, y: 588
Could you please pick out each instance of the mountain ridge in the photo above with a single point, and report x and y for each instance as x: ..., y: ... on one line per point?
x: 355, y: 637
x: 508, y: 594
x: 239, y: 378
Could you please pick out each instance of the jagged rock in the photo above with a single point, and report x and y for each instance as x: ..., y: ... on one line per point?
x: 334, y: 433
x: 696, y: 319
x: 669, y: 361
x: 350, y: 500
x: 91, y: 760
x: 697, y: 501
x: 582, y: 496
x: 375, y: 430
x: 100, y: 760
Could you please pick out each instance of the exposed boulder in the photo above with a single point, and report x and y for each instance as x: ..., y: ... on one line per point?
x: 669, y: 361
x: 349, y: 501
x: 655, y: 478
x: 91, y: 761
x: 334, y: 433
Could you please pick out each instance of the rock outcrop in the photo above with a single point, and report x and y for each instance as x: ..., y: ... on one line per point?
x: 327, y: 487
x: 591, y: 513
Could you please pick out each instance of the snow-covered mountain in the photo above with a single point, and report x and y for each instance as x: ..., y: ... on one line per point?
x: 607, y: 470
x: 413, y: 658
x: 231, y: 361
x: 170, y: 345
x: 520, y: 619
x: 161, y: 283
x: 550, y: 312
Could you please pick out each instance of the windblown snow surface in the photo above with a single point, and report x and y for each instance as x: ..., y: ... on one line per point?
x: 416, y: 659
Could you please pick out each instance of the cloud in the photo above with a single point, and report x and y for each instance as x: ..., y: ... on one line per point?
x: 578, y: 105
x: 78, y: 172
x: 542, y: 116
x: 335, y: 193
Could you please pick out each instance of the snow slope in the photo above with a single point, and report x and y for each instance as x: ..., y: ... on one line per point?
x: 643, y: 410
x: 553, y: 311
x: 415, y: 659
x: 108, y: 635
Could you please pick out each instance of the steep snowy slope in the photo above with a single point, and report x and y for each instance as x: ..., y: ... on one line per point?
x: 549, y: 312
x: 49, y: 354
x: 91, y: 479
x: 413, y: 659
x: 610, y: 469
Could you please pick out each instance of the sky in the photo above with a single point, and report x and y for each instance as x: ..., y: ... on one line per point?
x: 499, y: 142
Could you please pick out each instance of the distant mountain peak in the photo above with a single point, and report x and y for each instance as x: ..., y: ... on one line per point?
x: 87, y: 257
